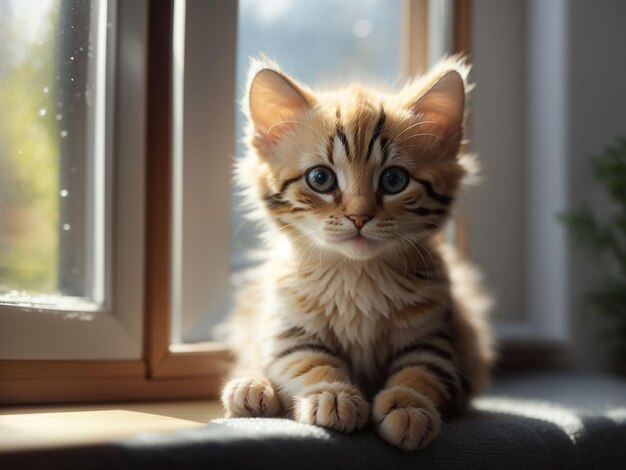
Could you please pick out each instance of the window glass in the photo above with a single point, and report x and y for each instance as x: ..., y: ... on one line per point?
x: 52, y: 166
x: 323, y: 43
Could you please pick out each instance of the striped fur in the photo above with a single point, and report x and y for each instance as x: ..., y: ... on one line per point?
x: 340, y: 324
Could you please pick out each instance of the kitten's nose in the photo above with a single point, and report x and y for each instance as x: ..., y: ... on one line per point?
x: 359, y: 219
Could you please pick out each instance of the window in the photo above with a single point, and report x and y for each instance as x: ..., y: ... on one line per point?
x: 70, y: 239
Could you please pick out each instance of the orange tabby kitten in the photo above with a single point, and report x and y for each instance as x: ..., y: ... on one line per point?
x: 357, y: 314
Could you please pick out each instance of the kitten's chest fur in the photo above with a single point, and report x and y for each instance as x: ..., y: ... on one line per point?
x: 359, y: 307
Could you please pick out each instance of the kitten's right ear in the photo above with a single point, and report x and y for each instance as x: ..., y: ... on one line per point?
x: 273, y: 100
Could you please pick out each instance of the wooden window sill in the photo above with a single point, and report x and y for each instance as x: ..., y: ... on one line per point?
x: 44, y: 427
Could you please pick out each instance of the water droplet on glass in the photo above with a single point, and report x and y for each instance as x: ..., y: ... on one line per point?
x: 42, y: 112
x: 67, y: 227
x: 64, y: 192
x: 46, y: 89
x: 109, y: 25
x: 63, y: 134
x: 89, y: 54
x: 71, y: 57
x: 20, y: 152
x: 71, y: 79
x: 59, y: 117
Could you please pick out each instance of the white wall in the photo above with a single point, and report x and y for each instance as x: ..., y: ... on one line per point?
x: 551, y: 92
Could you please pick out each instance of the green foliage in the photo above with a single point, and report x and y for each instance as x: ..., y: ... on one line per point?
x: 609, y: 299
x: 29, y: 155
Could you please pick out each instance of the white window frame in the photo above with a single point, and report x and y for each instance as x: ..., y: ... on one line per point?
x: 75, y: 328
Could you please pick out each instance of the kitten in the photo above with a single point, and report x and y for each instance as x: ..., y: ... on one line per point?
x: 357, y: 314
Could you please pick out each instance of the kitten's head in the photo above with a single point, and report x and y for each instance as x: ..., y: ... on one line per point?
x: 357, y: 171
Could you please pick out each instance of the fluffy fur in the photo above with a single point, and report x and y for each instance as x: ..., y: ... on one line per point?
x: 357, y: 313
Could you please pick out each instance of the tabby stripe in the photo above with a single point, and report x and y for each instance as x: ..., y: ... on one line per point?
x: 423, y: 275
x: 288, y: 183
x: 442, y: 334
x: 377, y: 132
x: 330, y: 149
x: 344, y: 141
x: 430, y: 191
x: 292, y: 332
x: 444, y: 376
x: 337, y: 199
x: 308, y: 367
x: 306, y: 347
x: 424, y: 211
x: 384, y: 145
x: 424, y: 347
x: 275, y: 201
x: 342, y: 136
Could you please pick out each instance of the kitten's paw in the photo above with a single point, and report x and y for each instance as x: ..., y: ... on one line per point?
x: 405, y: 418
x: 250, y: 396
x: 335, y: 405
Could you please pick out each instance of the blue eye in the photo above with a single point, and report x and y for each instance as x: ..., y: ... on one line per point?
x: 321, y: 179
x: 394, y: 180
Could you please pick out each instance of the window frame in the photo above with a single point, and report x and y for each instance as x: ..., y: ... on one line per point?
x: 163, y: 370
x: 108, y: 327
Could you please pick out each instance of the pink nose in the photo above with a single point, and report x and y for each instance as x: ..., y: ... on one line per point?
x: 359, y: 219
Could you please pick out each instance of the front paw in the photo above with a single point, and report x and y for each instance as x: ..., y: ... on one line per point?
x: 336, y: 405
x: 405, y: 418
x: 250, y: 396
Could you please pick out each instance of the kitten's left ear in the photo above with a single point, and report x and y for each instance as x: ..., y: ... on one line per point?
x: 444, y: 104
x: 274, y: 100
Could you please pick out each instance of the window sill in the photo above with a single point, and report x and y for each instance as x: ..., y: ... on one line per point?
x: 29, y: 428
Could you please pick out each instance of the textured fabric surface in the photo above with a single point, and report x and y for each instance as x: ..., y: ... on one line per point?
x: 537, y: 421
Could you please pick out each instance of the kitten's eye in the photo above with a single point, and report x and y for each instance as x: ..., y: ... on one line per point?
x: 321, y: 179
x: 394, y: 180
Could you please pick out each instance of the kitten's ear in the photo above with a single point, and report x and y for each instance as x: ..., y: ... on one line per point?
x: 274, y: 100
x: 444, y: 103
